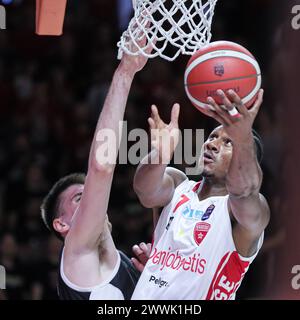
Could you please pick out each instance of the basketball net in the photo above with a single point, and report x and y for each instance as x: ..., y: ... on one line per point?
x: 183, y: 24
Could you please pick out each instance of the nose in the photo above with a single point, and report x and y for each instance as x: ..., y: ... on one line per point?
x: 212, y: 146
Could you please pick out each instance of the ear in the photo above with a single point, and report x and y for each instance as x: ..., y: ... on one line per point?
x: 61, y: 226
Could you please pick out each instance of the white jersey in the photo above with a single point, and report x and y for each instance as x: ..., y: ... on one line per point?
x: 193, y: 255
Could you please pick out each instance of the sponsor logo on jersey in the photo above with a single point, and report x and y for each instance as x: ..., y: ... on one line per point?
x: 208, y: 212
x: 158, y: 281
x: 174, y: 260
x: 200, y: 231
x: 192, y: 214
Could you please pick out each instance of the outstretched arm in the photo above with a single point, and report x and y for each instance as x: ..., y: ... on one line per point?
x: 244, y: 178
x: 89, y: 221
x: 154, y: 183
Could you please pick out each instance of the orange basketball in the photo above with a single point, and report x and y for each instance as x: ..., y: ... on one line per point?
x: 222, y: 65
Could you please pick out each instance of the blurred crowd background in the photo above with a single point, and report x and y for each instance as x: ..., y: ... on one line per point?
x: 52, y: 90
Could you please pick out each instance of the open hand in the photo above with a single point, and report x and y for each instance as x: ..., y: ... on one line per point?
x: 164, y: 137
x: 238, y: 125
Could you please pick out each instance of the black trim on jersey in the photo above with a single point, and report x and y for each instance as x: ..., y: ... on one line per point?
x: 125, y: 280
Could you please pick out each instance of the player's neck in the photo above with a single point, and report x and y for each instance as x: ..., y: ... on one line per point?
x: 212, y: 188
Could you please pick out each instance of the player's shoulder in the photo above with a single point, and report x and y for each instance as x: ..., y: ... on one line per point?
x: 178, y: 176
x: 182, y: 183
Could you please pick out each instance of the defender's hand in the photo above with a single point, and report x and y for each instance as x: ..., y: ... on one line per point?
x: 164, y: 137
x: 135, y: 63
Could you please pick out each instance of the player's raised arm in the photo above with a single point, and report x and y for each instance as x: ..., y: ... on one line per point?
x: 244, y: 178
x: 89, y: 221
x: 154, y: 183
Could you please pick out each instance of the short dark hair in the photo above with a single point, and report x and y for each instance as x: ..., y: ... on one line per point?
x: 259, y: 147
x: 50, y: 203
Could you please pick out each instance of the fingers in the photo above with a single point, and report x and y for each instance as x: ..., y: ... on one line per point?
x: 149, y: 247
x: 152, y: 127
x: 157, y: 122
x: 144, y: 248
x: 233, y: 105
x: 175, y: 114
x: 226, y: 102
x: 149, y: 48
x: 214, y: 114
x: 155, y: 115
x: 142, y: 253
x: 151, y: 45
x: 234, y: 109
x: 254, y: 110
x: 137, y: 250
x: 151, y: 124
x: 223, y: 115
x: 238, y: 102
x: 139, y: 266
